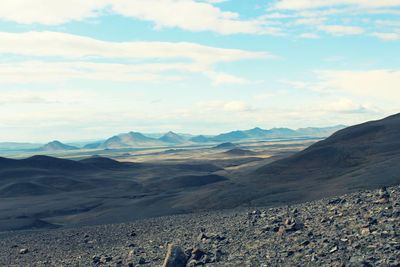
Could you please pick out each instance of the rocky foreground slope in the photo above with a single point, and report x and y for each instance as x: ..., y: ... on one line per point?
x: 358, y: 229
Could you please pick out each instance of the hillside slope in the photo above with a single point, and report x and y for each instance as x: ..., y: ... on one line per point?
x: 358, y: 157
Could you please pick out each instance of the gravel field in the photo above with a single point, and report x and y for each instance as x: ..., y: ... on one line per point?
x: 358, y: 229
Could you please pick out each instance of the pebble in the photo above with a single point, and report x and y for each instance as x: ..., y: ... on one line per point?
x: 23, y: 251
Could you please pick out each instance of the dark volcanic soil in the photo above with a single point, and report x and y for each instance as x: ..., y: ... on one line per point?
x: 358, y: 229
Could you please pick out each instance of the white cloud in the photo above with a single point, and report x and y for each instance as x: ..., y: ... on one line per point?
x: 36, y: 71
x: 262, y: 96
x: 386, y: 36
x: 23, y: 99
x: 55, y: 44
x: 223, y: 78
x: 324, y: 12
x: 216, y: 1
x: 276, y: 15
x: 384, y: 11
x: 378, y: 84
x: 24, y: 96
x: 388, y: 22
x: 308, y: 4
x: 188, y: 15
x: 332, y: 16
x: 49, y: 12
x: 146, y: 59
x: 340, y: 29
x: 309, y: 35
x: 210, y: 105
x: 309, y: 21
x: 185, y: 14
x: 344, y: 105
x: 224, y: 106
x: 236, y: 106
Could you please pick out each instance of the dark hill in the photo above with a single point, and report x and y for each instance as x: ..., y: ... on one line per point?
x: 40, y: 162
x: 239, y: 152
x: 51, y: 163
x: 43, y: 175
x: 105, y: 163
x: 191, y: 181
x: 363, y: 156
x: 225, y: 145
x: 355, y: 146
x: 8, y: 163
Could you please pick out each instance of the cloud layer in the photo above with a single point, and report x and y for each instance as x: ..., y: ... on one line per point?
x: 309, y: 4
x: 148, y: 60
x: 187, y: 14
x: 196, y: 16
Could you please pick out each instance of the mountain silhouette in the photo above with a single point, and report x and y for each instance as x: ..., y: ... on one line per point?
x: 172, y: 138
x: 199, y: 139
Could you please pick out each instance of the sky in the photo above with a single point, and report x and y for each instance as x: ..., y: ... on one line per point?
x: 86, y: 70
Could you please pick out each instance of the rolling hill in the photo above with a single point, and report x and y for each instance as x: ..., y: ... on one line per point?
x: 352, y: 157
x: 131, y: 139
x: 57, y: 145
x: 225, y: 146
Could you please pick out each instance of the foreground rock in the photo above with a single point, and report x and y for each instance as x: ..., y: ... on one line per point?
x: 358, y: 229
x: 175, y: 257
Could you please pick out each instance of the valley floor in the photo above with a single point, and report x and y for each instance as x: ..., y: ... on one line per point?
x: 357, y: 229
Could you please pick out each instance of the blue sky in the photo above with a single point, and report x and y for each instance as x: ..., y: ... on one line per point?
x: 74, y: 70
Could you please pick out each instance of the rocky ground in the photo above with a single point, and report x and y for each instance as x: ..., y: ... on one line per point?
x: 358, y: 229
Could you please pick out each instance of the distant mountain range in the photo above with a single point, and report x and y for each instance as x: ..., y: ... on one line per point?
x: 274, y: 133
x: 136, y: 139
